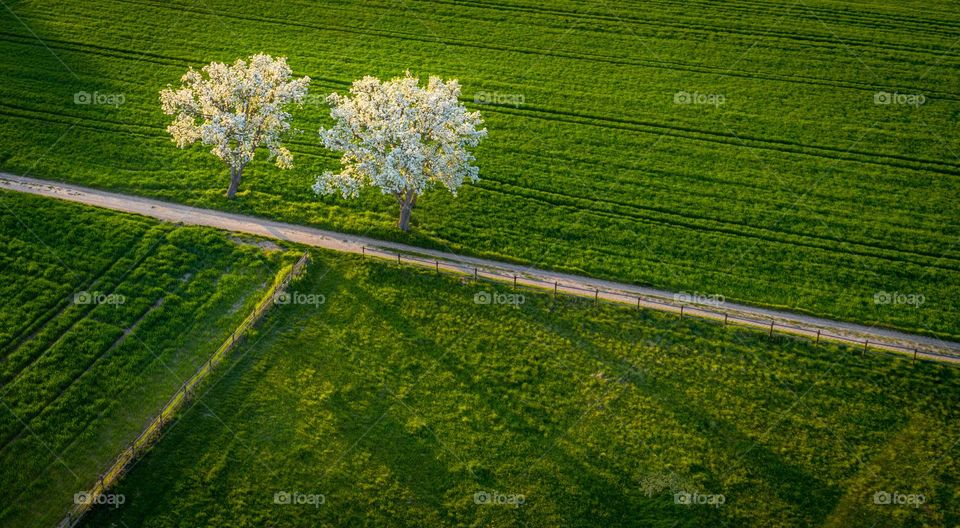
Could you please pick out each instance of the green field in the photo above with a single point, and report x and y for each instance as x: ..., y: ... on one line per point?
x: 798, y: 192
x: 400, y: 398
x: 104, y: 316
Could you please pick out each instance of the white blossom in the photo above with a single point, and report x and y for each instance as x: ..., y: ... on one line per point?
x: 235, y: 109
x: 402, y: 138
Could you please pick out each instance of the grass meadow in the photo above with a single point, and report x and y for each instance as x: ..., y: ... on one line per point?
x: 399, y: 401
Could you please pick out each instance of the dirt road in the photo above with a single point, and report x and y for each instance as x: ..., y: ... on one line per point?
x: 731, y: 313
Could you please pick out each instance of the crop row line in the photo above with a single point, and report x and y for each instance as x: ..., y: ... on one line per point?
x: 669, y: 218
x: 130, y: 129
x: 60, y: 391
x: 8, y: 379
x: 168, y: 60
x: 660, y: 129
x: 590, y: 57
x: 121, y: 54
x: 824, y: 40
x: 730, y: 12
x: 745, y: 141
x: 36, y: 325
x: 719, y: 189
x: 833, y: 14
x: 151, y: 432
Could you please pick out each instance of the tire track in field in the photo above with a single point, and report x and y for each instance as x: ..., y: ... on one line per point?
x: 589, y: 57
x: 30, y: 330
x: 666, y: 182
x: 57, y: 309
x: 726, y: 10
x: 760, y: 234
x: 725, y: 138
x: 75, y: 379
x: 828, y: 41
x: 155, y: 133
x: 8, y: 379
x: 704, y: 223
x: 889, y: 20
x: 144, y: 131
x: 118, y: 53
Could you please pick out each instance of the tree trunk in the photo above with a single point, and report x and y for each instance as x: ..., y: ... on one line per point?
x: 235, y: 174
x: 406, y: 208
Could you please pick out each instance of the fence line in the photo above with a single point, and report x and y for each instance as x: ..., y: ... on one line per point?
x: 152, y: 431
x: 682, y: 309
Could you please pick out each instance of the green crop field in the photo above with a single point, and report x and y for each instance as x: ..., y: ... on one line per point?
x: 791, y: 154
x: 104, y: 316
x: 402, y: 402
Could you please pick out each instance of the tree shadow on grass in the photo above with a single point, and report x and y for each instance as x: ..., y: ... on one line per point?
x: 810, y: 496
x: 605, y: 496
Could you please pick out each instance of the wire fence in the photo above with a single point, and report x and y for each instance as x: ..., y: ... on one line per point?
x: 152, y: 431
x: 646, y: 301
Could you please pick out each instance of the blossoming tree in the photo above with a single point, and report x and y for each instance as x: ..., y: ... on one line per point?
x: 235, y: 109
x: 402, y: 138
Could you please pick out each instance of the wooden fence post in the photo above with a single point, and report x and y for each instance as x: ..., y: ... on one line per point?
x: 771, y: 328
x: 818, y: 336
x: 681, y: 311
x: 438, y: 266
x: 596, y: 298
x: 398, y: 259
x: 476, y: 274
x: 514, y: 282
x: 363, y: 251
x: 555, y: 286
x: 866, y: 342
x: 725, y: 316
